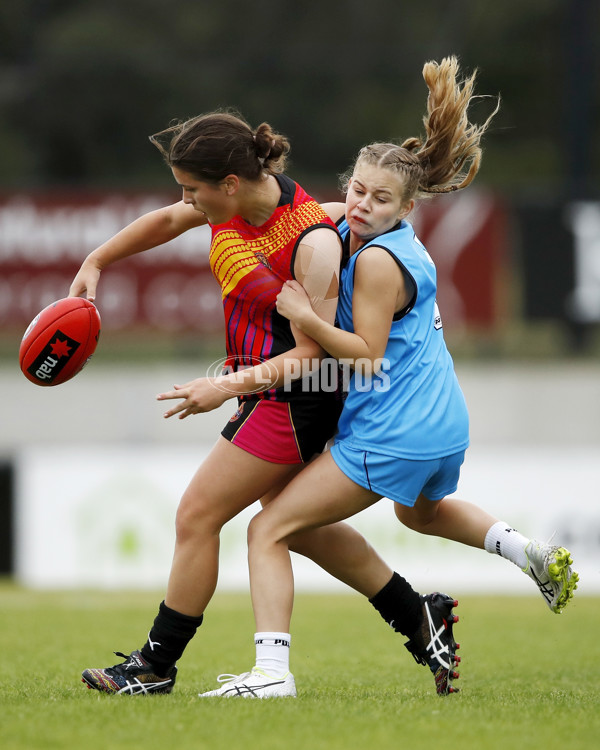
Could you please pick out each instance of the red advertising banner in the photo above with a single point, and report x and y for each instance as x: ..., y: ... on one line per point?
x: 466, y: 234
x: 43, y: 241
x: 44, y: 238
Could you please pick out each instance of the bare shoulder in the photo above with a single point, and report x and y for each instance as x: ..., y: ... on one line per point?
x: 317, y: 268
x: 375, y: 254
x: 319, y: 251
x: 335, y: 211
x: 375, y: 263
x: 323, y: 239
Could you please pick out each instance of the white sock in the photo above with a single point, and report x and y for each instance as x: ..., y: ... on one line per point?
x: 273, y: 653
x: 507, y: 542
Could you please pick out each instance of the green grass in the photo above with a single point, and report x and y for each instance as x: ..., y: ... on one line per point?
x: 528, y: 678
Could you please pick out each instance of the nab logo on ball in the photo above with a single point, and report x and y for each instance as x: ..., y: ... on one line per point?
x: 59, y: 341
x: 53, y: 357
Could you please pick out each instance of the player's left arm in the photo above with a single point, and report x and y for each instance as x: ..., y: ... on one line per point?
x: 316, y: 267
x: 317, y: 270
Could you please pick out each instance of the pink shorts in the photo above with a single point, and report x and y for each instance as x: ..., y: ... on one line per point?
x: 283, y: 432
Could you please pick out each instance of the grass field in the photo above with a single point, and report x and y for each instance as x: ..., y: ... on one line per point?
x: 528, y: 677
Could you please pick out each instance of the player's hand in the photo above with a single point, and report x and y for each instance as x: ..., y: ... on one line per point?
x: 197, y: 396
x: 293, y: 302
x: 86, y: 281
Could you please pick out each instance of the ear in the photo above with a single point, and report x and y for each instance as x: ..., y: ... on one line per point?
x: 407, y: 209
x: 231, y: 184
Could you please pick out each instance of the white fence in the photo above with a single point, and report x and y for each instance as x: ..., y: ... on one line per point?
x: 99, y: 475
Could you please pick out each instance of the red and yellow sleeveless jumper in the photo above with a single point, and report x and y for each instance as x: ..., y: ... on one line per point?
x: 251, y: 264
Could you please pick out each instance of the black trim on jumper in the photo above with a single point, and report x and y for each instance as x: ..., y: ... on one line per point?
x: 288, y: 189
x: 411, y: 283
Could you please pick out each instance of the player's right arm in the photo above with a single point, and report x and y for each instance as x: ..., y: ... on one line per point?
x: 151, y: 229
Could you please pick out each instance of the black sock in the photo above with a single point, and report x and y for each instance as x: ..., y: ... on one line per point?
x: 168, y: 638
x: 399, y: 605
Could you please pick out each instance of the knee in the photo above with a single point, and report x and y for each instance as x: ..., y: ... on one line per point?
x: 261, y: 531
x: 194, y: 519
x: 418, y: 517
x: 404, y: 514
x: 256, y: 530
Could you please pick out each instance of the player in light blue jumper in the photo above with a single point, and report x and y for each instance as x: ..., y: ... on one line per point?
x: 404, y: 427
x: 412, y: 409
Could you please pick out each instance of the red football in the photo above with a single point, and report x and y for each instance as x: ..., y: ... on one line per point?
x: 59, y: 341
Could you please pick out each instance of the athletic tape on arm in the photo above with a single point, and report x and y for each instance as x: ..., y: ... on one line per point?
x: 318, y: 270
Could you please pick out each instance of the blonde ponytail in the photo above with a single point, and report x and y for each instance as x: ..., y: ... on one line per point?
x: 449, y: 156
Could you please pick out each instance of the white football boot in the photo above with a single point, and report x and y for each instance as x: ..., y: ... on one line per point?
x: 253, y: 684
x: 550, y: 568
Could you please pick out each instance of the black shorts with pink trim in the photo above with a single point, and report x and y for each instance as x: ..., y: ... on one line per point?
x: 284, y: 432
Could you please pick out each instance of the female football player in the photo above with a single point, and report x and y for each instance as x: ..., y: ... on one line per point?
x: 403, y: 431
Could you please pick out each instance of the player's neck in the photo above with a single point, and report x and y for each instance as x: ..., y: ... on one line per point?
x: 260, y: 201
x: 355, y: 243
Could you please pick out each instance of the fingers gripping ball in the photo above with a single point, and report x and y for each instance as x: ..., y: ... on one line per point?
x: 59, y: 341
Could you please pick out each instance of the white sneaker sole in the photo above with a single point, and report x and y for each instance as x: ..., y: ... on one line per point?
x: 250, y: 689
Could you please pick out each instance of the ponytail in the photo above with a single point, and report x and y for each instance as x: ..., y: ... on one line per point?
x: 449, y: 156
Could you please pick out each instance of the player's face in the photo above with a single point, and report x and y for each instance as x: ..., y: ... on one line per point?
x: 206, y: 197
x: 373, y: 202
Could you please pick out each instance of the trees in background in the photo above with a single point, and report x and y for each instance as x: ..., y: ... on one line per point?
x: 82, y: 83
